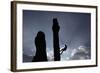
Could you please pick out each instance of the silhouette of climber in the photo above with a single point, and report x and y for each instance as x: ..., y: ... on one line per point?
x: 56, y: 29
x: 63, y: 49
x: 40, y: 44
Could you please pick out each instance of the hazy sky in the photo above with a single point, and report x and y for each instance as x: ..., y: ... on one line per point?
x: 75, y: 29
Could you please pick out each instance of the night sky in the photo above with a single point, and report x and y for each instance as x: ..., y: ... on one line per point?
x: 75, y: 31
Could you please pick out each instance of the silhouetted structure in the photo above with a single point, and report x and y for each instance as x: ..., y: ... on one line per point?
x: 40, y: 48
x: 56, y: 29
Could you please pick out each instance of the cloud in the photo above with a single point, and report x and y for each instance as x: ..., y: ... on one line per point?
x: 50, y: 56
x: 80, y: 53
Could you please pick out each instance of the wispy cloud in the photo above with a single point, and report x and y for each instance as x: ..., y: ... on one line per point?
x: 50, y: 56
x: 80, y: 53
